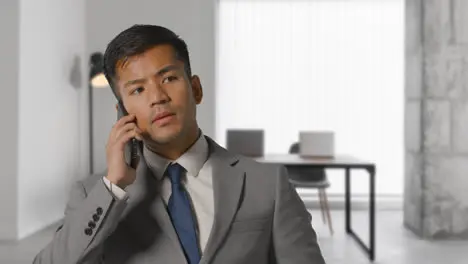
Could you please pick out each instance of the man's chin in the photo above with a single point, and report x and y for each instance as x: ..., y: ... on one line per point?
x: 164, y: 139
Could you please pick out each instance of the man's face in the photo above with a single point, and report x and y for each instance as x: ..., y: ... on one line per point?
x: 155, y: 87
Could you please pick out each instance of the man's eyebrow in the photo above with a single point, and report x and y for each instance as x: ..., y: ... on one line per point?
x: 167, y: 69
x: 131, y: 82
x: 161, y: 72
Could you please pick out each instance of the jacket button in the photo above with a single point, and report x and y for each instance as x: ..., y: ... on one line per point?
x: 95, y: 217
x: 99, y: 211
x: 92, y: 224
x: 88, y: 231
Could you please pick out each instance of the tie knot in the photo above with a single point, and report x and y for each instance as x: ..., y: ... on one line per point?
x: 174, y: 171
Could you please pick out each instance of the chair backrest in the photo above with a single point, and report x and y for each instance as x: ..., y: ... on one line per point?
x: 294, y: 149
x: 305, y: 175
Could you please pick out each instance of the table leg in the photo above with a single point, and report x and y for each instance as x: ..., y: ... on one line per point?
x: 370, y: 250
x: 348, y: 200
x: 371, y: 171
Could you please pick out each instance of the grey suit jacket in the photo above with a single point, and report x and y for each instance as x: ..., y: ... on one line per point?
x: 259, y: 219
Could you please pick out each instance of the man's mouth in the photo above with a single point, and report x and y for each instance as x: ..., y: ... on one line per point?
x: 163, y: 117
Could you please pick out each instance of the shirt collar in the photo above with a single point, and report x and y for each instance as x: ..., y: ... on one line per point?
x: 192, y: 160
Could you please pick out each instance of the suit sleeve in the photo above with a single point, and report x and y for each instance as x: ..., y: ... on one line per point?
x: 294, y: 239
x: 89, y: 219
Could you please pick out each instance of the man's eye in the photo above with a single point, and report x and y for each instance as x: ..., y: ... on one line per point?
x: 169, y: 79
x: 137, y: 90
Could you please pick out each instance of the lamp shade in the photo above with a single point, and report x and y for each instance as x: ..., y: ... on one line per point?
x: 96, y: 74
x: 99, y: 81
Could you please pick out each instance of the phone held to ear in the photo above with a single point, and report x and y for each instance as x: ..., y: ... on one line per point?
x: 132, y: 147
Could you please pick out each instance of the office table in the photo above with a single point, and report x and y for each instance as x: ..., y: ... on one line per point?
x: 338, y: 162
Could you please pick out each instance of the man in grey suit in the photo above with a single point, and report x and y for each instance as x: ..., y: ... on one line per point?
x: 189, y: 200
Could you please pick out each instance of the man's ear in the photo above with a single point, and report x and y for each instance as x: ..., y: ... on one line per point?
x: 117, y: 107
x: 197, y: 89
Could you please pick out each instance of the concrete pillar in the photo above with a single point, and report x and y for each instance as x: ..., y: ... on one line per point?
x: 9, y: 67
x: 436, y: 136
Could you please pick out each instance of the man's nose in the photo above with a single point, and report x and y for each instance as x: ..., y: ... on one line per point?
x: 157, y: 95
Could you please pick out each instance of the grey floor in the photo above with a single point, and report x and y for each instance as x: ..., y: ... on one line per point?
x: 395, y: 245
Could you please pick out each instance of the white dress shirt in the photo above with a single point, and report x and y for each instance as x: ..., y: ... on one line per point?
x: 197, y: 182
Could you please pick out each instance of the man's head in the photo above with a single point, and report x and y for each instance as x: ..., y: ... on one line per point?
x: 148, y: 67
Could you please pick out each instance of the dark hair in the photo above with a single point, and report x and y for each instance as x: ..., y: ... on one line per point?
x: 138, y: 39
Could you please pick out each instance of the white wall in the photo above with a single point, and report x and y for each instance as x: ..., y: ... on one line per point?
x: 51, y: 111
x: 192, y: 20
x: 104, y: 116
x: 9, y: 17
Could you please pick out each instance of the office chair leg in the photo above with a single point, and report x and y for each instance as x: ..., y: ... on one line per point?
x: 330, y: 225
x: 322, y: 205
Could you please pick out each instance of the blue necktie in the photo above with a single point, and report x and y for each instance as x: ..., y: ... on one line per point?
x: 181, y: 215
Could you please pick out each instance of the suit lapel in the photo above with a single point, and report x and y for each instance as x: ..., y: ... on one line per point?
x: 144, y: 190
x: 228, y: 185
x: 162, y: 217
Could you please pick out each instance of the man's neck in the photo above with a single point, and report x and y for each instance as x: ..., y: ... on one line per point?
x: 174, y: 150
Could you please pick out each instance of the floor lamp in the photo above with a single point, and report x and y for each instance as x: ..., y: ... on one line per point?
x: 96, y: 80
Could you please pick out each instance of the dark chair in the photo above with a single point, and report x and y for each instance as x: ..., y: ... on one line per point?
x: 314, y: 178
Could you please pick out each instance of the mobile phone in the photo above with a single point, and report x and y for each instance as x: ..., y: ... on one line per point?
x: 133, y: 146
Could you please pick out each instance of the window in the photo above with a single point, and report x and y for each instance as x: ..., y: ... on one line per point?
x: 291, y: 65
